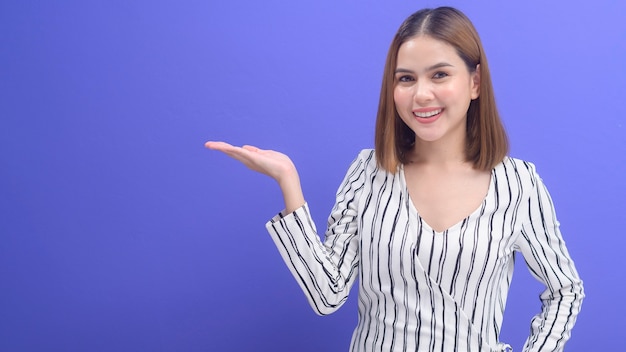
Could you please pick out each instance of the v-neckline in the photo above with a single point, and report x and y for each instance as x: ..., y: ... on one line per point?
x: 459, y: 223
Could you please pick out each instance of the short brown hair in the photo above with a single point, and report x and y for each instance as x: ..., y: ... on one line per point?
x: 487, y: 143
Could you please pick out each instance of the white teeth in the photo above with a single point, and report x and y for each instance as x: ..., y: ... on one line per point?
x: 427, y: 114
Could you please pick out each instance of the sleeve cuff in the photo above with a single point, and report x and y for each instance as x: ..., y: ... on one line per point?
x: 304, y: 209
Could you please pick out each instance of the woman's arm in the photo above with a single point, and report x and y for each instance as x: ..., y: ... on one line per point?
x: 324, y: 270
x: 549, y: 261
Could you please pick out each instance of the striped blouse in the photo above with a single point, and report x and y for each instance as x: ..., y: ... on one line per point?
x: 423, y: 290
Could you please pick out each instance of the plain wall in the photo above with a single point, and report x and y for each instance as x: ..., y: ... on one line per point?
x: 120, y: 232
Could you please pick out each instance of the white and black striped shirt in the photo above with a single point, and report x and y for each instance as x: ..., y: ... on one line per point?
x: 421, y: 290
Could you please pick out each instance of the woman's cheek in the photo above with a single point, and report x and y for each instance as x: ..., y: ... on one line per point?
x: 402, y: 96
x: 445, y: 92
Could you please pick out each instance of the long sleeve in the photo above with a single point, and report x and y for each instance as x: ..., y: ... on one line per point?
x: 549, y: 261
x: 324, y: 270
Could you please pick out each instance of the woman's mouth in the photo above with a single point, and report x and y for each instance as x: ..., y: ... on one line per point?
x: 427, y: 116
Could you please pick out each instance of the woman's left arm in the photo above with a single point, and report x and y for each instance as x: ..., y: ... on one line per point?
x: 547, y: 257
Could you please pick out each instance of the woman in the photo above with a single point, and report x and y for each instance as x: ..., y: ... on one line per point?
x: 431, y: 219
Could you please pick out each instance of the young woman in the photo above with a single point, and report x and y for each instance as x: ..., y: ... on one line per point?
x: 430, y: 220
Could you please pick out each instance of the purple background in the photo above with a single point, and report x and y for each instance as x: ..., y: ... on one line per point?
x: 120, y: 232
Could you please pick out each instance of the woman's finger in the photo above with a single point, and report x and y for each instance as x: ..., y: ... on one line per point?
x: 217, y: 145
x: 268, y: 162
x: 251, y: 148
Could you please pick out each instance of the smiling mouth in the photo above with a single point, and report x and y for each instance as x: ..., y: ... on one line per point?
x: 425, y: 115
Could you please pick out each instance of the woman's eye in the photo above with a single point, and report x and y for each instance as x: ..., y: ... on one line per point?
x: 405, y: 79
x: 440, y: 75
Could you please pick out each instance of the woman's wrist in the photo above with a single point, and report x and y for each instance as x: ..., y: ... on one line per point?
x: 292, y: 191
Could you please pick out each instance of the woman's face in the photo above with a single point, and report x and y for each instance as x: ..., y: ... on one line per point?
x: 433, y: 90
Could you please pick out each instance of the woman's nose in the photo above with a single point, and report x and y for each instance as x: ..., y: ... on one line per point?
x: 423, y: 92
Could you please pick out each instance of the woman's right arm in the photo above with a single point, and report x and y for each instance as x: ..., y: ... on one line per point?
x: 324, y: 270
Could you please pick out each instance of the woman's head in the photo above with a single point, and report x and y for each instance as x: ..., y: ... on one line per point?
x: 486, y: 139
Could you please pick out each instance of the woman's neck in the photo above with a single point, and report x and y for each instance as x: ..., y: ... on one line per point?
x: 439, y: 152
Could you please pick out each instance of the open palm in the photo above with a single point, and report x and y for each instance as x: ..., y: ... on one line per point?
x: 269, y: 162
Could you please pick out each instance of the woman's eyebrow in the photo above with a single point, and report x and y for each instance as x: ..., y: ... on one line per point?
x: 439, y: 65
x: 433, y: 67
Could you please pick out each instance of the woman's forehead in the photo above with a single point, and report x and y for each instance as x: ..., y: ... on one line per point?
x: 426, y: 51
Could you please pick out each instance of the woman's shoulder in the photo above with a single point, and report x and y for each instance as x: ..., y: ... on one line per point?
x: 366, y: 157
x: 365, y: 161
x: 367, y: 154
x: 522, y: 171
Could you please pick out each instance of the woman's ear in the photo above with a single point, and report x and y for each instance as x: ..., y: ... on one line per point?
x: 476, y: 82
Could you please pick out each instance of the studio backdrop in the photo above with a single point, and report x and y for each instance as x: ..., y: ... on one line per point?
x: 119, y: 231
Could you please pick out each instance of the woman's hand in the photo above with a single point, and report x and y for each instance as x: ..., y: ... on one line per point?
x: 271, y: 163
